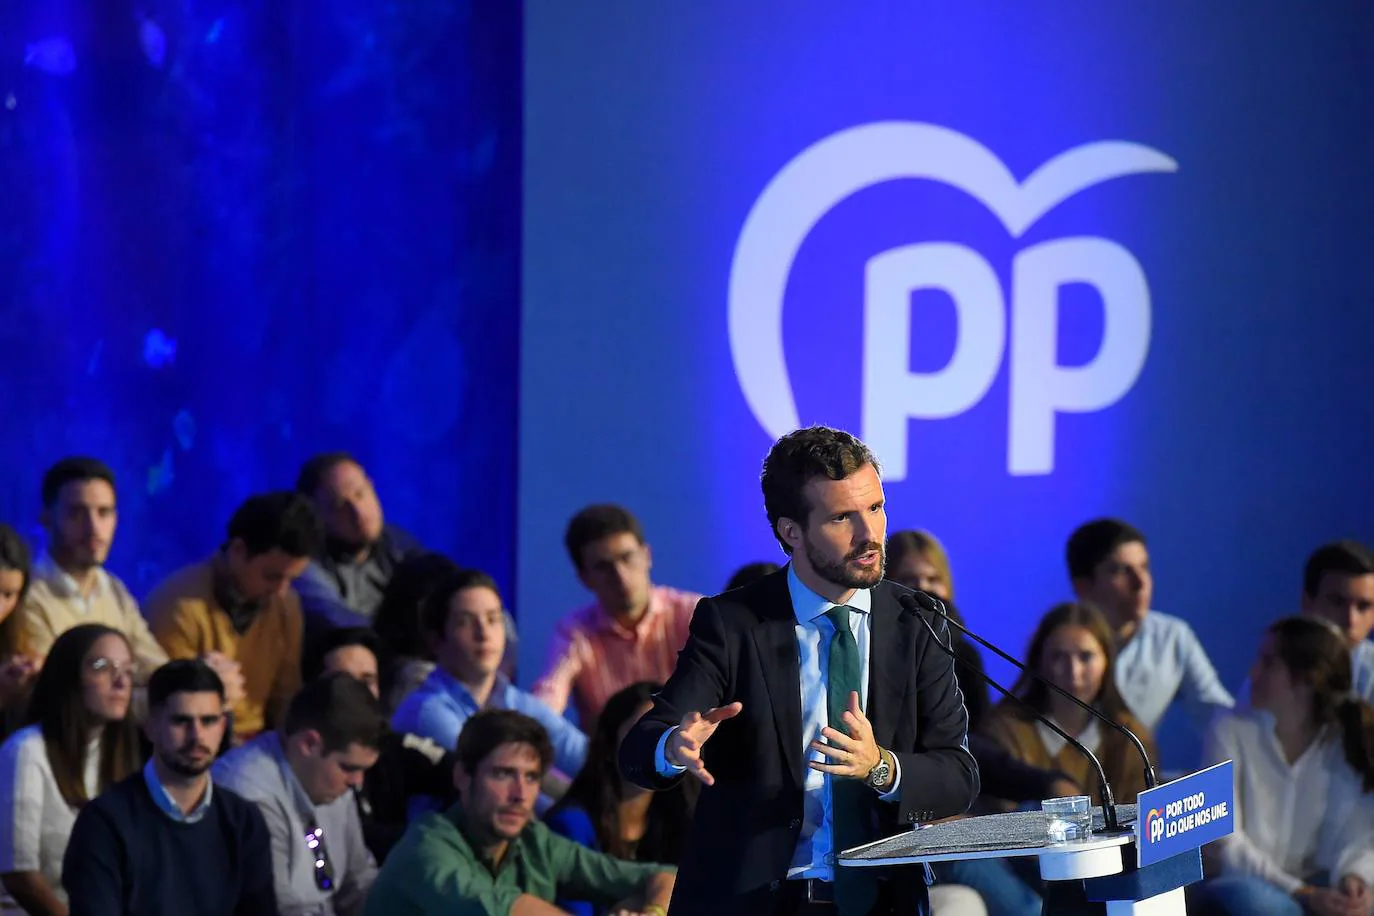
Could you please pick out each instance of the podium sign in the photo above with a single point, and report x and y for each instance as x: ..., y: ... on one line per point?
x: 1186, y: 813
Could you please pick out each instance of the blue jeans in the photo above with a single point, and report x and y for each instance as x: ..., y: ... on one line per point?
x: 1241, y: 895
x: 1002, y: 891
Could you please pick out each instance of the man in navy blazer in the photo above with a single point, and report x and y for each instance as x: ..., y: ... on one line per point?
x: 747, y: 710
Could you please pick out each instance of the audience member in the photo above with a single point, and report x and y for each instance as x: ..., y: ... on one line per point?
x: 918, y: 560
x: 344, y: 584
x: 1304, y: 767
x: 632, y: 632
x: 18, y: 666
x: 488, y: 855
x: 300, y: 777
x: 70, y: 584
x: 405, y: 654
x: 750, y: 573
x: 1072, y: 648
x: 82, y: 740
x: 165, y: 840
x: 463, y: 618
x: 605, y: 813
x: 407, y: 767
x: 235, y: 609
x: 1158, y: 656
x: 1338, y: 585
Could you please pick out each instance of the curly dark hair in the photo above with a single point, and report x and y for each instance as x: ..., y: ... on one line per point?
x: 800, y: 457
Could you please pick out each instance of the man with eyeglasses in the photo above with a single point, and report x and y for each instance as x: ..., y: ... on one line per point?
x: 167, y: 840
x: 301, y: 777
x: 488, y: 855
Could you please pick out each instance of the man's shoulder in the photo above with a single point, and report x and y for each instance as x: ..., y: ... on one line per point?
x: 1166, y: 625
x: 676, y: 599
x: 764, y: 598
x: 121, y: 802
x: 425, y: 696
x: 252, y: 769
x: 188, y: 587
x: 400, y: 543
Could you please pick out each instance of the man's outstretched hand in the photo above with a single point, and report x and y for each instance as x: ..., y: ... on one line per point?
x: 684, y: 747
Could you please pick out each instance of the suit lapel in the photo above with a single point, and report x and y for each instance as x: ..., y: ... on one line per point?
x: 776, y: 639
x: 889, y: 663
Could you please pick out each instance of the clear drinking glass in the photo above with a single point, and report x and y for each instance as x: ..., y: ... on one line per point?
x: 1069, y: 818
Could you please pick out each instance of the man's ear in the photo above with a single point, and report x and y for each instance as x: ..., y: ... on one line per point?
x: 462, y: 781
x: 1081, y: 586
x: 310, y: 742
x: 791, y: 532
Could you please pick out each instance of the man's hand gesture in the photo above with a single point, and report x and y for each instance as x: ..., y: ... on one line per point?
x: 684, y: 747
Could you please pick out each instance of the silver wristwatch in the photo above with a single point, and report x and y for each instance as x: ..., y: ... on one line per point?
x: 881, y: 775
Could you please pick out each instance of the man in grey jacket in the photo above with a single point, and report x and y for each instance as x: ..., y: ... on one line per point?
x: 301, y: 778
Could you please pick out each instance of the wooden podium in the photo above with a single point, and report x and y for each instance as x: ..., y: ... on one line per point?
x: 1097, y: 876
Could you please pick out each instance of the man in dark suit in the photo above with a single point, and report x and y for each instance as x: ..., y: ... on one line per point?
x: 816, y: 712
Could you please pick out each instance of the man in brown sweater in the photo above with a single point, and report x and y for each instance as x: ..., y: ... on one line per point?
x: 239, y: 603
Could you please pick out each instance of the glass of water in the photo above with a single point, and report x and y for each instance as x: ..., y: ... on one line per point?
x: 1069, y: 818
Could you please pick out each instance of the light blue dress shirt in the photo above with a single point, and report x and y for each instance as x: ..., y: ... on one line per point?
x: 440, y: 706
x: 167, y: 805
x: 815, y: 855
x: 1163, y: 661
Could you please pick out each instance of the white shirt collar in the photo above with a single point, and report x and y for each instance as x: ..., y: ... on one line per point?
x: 62, y: 584
x: 808, y: 605
x: 163, y: 799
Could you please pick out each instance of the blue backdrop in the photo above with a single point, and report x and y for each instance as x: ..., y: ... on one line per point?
x: 237, y: 234
x: 1131, y: 243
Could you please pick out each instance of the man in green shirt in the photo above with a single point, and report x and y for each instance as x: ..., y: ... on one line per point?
x: 488, y: 856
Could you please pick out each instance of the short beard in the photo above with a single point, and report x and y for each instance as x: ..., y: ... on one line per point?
x: 186, y: 769
x: 840, y: 573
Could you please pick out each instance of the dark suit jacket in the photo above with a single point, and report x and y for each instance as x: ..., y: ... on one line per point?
x: 743, y: 646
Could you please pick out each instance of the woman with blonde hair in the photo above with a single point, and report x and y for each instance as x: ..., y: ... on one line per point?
x: 1073, y: 649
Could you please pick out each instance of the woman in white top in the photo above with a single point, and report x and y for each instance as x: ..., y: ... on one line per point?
x: 1304, y: 762
x: 81, y: 741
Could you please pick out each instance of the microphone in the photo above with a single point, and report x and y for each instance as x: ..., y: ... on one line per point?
x: 913, y: 601
x: 913, y: 606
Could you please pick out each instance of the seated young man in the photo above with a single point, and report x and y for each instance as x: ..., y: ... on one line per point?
x: 466, y: 628
x: 167, y: 840
x: 409, y: 767
x: 344, y: 584
x: 301, y: 777
x: 70, y: 584
x: 1159, y: 658
x: 631, y: 633
x: 1338, y: 585
x: 236, y: 608
x: 488, y: 855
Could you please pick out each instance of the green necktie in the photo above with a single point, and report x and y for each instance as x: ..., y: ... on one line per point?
x: 856, y: 889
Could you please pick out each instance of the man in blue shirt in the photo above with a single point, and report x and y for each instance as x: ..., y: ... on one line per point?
x: 167, y: 840
x: 1159, y: 657
x: 1338, y: 585
x: 464, y: 623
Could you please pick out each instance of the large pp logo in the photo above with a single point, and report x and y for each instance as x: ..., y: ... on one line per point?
x: 1154, y: 823
x: 826, y: 173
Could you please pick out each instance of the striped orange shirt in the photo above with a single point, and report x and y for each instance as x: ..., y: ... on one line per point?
x: 593, y: 657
